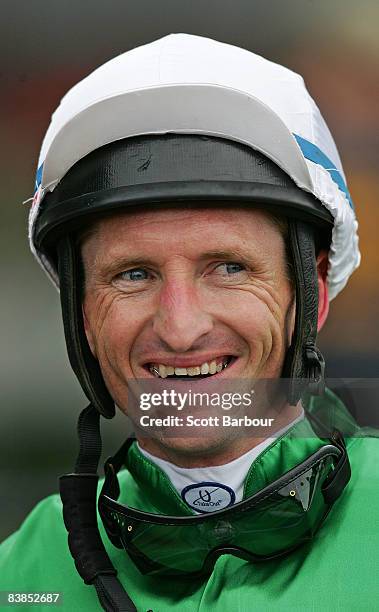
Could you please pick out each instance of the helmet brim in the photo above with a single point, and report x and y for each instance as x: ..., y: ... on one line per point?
x: 168, y: 170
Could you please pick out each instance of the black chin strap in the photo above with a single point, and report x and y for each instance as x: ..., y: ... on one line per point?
x: 304, y: 364
x: 78, y: 493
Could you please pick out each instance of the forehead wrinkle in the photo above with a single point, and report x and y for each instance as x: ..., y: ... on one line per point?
x: 135, y: 221
x: 124, y: 230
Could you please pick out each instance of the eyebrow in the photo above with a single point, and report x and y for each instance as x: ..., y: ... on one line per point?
x: 229, y: 254
x: 236, y: 255
x: 123, y: 261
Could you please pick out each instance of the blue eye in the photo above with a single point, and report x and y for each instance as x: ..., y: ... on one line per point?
x: 232, y: 267
x: 137, y: 274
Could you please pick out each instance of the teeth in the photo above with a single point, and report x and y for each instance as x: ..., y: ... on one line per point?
x: 193, y: 371
x: 212, y: 367
x: 204, y: 368
x: 181, y: 371
x: 162, y: 371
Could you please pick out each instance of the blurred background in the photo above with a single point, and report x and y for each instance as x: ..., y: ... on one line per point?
x: 46, y: 47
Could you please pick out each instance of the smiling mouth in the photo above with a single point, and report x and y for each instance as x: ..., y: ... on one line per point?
x: 204, y: 370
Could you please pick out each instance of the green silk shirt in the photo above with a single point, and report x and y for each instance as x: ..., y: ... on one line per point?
x: 337, y: 571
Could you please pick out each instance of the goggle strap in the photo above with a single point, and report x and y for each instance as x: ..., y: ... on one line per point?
x: 78, y: 493
x: 112, y: 595
x: 340, y: 476
x: 118, y: 459
x: 112, y: 465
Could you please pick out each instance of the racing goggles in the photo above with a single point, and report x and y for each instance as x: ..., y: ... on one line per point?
x: 271, y: 523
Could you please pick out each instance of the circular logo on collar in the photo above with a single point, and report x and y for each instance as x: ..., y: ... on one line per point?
x: 208, y: 496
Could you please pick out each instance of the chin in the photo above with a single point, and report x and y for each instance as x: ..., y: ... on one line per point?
x: 194, y: 449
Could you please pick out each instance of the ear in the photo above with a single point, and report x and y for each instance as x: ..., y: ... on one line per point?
x: 323, y: 296
x: 87, y: 329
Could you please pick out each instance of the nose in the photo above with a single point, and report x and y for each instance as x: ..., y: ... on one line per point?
x: 180, y: 320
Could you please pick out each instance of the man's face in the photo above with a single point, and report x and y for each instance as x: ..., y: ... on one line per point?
x: 187, y: 288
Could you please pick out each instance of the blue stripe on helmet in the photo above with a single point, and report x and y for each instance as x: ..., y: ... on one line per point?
x: 39, y: 177
x: 313, y: 153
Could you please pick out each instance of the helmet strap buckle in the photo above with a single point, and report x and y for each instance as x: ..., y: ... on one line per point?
x: 315, y: 365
